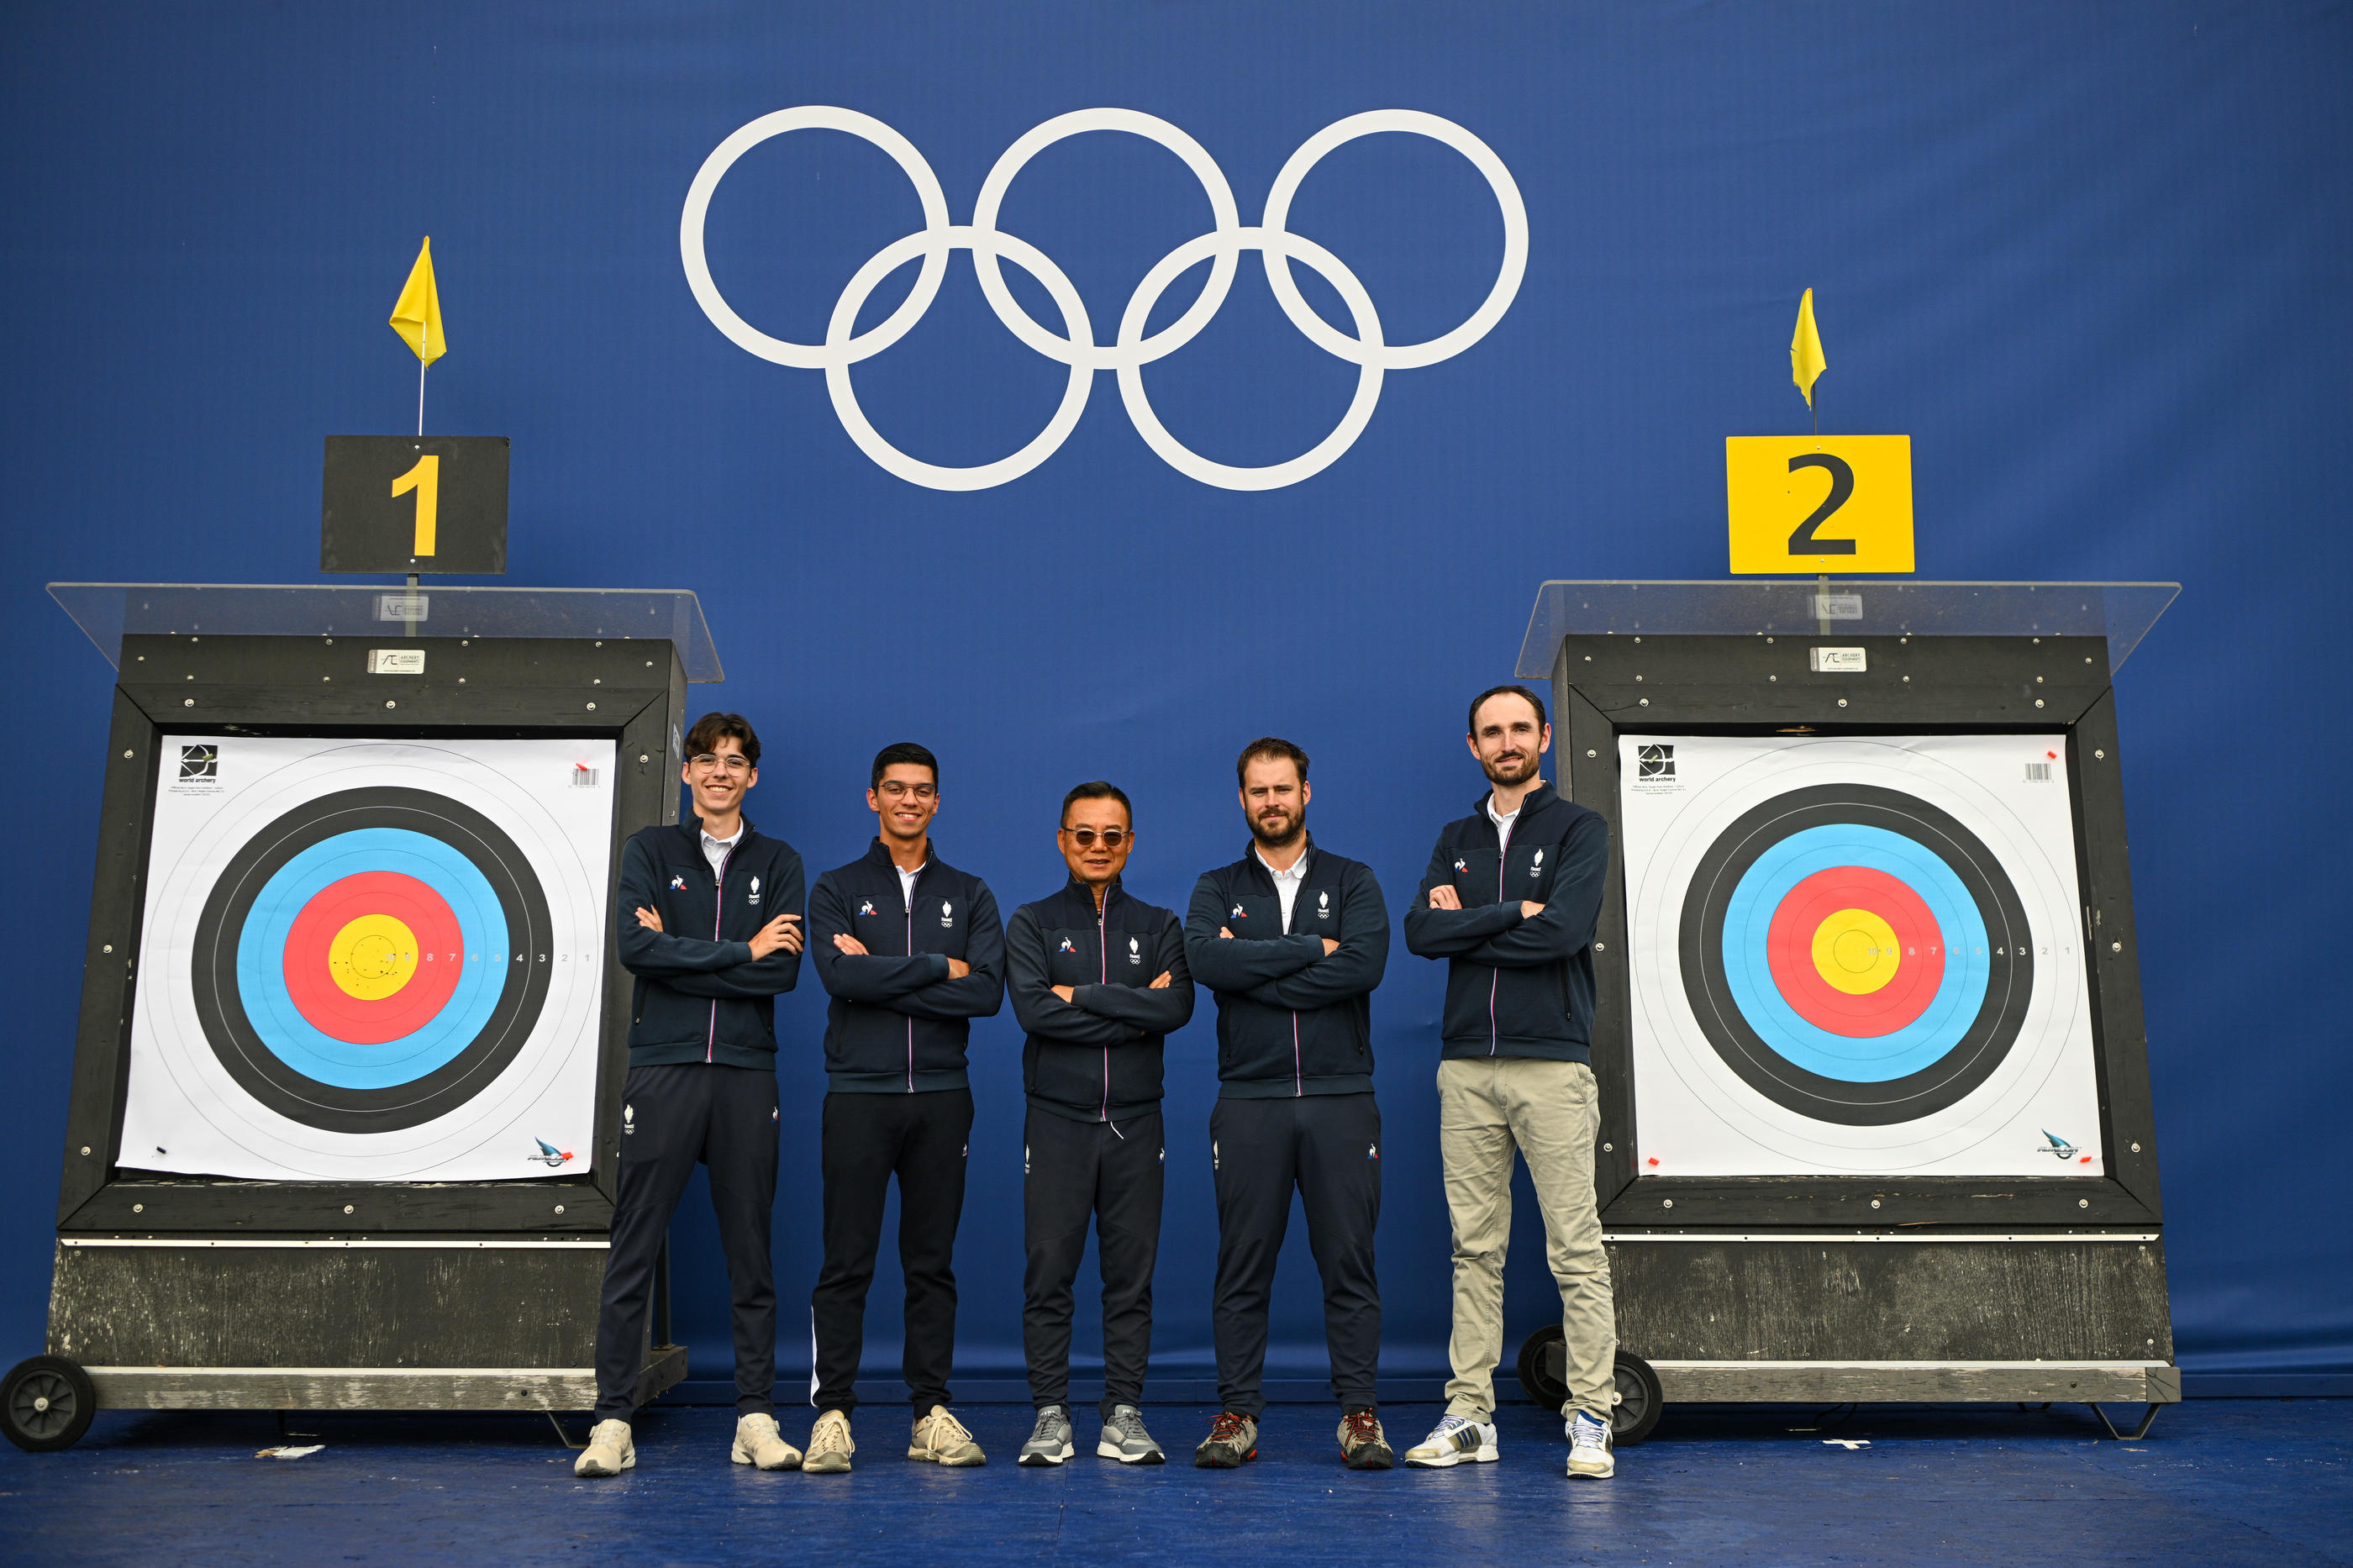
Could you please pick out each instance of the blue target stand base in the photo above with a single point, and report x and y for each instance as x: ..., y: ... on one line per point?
x: 1876, y: 1121
x: 345, y: 1122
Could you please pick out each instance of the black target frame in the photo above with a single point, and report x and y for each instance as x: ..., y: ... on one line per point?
x: 1659, y: 685
x: 631, y: 691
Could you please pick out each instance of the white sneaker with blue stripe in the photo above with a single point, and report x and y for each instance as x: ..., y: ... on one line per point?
x: 1589, y: 1449
x: 1454, y: 1440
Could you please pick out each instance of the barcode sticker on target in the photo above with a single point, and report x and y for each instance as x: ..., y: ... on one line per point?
x: 582, y: 777
x: 2038, y: 772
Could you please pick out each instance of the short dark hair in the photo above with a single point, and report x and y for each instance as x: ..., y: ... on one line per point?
x: 713, y: 728
x: 1097, y: 789
x: 1270, y: 747
x: 1470, y: 725
x: 906, y: 751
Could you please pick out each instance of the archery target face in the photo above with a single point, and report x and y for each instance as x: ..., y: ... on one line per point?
x: 1856, y: 956
x: 371, y: 960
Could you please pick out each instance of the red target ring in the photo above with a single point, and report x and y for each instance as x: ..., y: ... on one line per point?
x: 433, y: 970
x: 1920, y: 943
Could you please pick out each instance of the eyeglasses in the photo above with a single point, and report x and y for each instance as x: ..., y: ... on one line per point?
x: 709, y: 762
x: 1084, y: 838
x: 891, y: 789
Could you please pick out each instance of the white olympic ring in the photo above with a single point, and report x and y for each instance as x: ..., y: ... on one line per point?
x: 1132, y: 350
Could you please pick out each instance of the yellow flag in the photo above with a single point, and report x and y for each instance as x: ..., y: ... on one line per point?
x: 1806, y: 360
x: 416, y: 316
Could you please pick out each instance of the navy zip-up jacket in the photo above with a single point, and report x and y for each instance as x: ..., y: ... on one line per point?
x: 897, y: 1024
x: 1292, y: 1020
x: 1096, y: 1057
x: 1515, y: 986
x: 701, y: 994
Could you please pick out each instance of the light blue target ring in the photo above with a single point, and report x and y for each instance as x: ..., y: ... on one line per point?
x: 1748, y: 915
x: 347, y: 1064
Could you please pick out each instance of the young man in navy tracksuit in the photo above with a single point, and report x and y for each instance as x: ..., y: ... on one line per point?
x: 1510, y: 901
x: 708, y: 917
x: 1292, y: 940
x: 911, y: 950
x: 1098, y: 980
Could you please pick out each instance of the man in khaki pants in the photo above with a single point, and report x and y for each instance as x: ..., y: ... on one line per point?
x: 1509, y: 901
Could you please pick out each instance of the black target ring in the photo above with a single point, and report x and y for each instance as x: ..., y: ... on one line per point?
x: 523, y: 993
x: 1982, y: 1046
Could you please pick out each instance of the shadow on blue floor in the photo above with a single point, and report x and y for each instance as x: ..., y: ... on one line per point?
x: 2216, y: 1482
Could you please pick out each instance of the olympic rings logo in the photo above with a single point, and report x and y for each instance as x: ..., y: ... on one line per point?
x: 1076, y: 346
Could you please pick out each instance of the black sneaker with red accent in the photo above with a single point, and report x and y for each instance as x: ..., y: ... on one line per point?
x: 1363, y: 1446
x: 1232, y: 1440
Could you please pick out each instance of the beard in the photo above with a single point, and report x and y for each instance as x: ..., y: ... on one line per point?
x: 1281, y: 837
x: 1514, y: 773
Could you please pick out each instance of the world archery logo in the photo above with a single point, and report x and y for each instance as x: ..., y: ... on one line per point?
x: 1132, y: 348
x: 548, y: 1153
x: 199, y: 763
x: 2059, y: 1149
x: 1654, y: 762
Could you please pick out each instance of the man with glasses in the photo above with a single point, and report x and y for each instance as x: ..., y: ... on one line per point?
x: 911, y: 950
x: 1098, y: 980
x: 703, y: 1078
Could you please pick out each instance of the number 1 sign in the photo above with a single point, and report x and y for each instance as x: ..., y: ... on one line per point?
x: 1818, y: 503
x: 415, y: 503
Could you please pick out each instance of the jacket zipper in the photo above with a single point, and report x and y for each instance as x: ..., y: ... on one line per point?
x: 1298, y: 1081
x: 718, y: 913
x: 907, y: 900
x: 1496, y: 977
x: 1102, y: 965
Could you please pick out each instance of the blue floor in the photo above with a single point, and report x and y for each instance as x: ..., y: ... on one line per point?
x: 2216, y: 1482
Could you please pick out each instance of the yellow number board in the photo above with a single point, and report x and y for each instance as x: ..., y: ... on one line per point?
x: 1818, y: 503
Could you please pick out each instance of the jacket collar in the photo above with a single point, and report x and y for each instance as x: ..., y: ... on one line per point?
x: 691, y: 831
x: 880, y: 855
x: 1256, y: 867
x: 1542, y: 795
x: 1074, y: 889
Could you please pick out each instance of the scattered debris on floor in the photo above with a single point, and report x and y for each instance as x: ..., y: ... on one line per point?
x: 288, y: 1453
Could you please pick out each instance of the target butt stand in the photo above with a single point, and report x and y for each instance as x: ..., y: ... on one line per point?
x: 175, y: 1290
x: 1846, y: 983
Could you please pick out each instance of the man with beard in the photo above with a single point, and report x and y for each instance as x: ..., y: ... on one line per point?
x: 1292, y: 940
x: 1510, y: 901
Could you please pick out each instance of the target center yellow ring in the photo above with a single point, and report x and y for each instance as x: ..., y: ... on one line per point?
x: 1855, y: 952
x: 373, y: 957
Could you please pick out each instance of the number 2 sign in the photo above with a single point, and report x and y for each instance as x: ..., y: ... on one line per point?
x: 1818, y: 503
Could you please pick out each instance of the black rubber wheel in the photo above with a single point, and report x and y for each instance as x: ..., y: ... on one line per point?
x: 45, y: 1403
x: 1640, y: 1401
x: 1637, y: 1400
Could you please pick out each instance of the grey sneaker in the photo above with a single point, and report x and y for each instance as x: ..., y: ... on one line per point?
x: 610, y: 1451
x: 1049, y: 1441
x: 1124, y: 1438
x: 1456, y: 1440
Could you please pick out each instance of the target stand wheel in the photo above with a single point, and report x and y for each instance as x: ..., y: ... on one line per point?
x: 45, y: 1403
x: 1636, y: 1400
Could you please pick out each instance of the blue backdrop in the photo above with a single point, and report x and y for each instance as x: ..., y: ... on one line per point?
x: 2092, y: 258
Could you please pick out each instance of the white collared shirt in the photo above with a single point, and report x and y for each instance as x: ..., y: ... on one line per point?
x: 716, y: 850
x: 907, y: 881
x: 1286, y: 883
x: 1505, y: 821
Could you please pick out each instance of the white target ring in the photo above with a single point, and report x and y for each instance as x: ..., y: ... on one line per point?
x: 194, y: 1105
x: 1697, y: 1114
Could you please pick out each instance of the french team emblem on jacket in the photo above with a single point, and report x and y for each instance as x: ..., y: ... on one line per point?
x: 1322, y: 906
x: 1135, y: 951
x: 1537, y: 865
x: 947, y: 914
x: 755, y: 890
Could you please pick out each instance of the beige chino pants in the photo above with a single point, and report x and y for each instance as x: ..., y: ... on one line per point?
x: 1488, y: 1109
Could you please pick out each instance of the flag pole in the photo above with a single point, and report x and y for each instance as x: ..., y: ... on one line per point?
x: 420, y: 395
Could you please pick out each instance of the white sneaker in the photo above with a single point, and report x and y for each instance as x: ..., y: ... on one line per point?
x: 1453, y: 1440
x: 1589, y: 1449
x: 829, y: 1446
x: 610, y: 1451
x: 757, y: 1442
